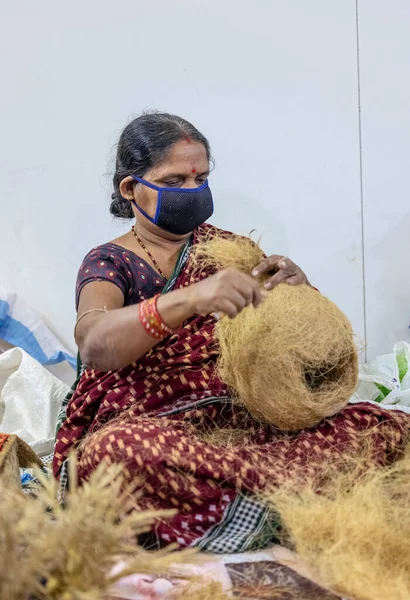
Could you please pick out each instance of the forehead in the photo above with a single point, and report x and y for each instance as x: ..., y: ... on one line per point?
x: 186, y: 154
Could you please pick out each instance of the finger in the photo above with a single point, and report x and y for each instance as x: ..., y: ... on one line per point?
x: 241, y: 283
x: 235, y: 279
x: 268, y: 264
x: 257, y: 296
x: 247, y: 286
x: 285, y: 264
x: 229, y: 309
x: 253, y: 291
x: 245, y: 292
x: 295, y: 280
x: 237, y: 297
x: 278, y: 278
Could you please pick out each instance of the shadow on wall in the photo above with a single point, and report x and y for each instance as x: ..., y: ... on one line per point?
x: 389, y: 291
x: 234, y: 207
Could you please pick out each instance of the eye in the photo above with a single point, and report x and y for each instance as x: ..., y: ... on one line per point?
x: 201, y: 180
x: 172, y: 182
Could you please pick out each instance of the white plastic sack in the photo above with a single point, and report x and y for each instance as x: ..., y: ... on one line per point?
x: 386, y: 380
x: 30, y: 398
x: 22, y: 327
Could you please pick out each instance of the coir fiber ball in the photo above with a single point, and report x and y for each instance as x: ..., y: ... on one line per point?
x: 292, y: 361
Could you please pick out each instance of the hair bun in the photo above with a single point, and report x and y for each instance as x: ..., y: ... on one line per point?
x: 120, y: 207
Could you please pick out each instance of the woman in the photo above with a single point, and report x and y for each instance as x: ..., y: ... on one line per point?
x: 145, y: 332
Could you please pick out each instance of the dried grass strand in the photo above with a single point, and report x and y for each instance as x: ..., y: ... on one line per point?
x: 53, y: 552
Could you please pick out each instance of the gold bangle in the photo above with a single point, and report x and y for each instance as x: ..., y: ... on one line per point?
x: 88, y: 312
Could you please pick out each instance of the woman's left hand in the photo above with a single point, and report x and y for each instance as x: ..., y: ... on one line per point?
x: 282, y: 269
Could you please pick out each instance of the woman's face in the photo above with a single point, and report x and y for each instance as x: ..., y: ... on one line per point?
x: 186, y: 166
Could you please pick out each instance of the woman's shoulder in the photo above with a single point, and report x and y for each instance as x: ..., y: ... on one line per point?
x: 107, y: 262
x: 115, y: 264
x: 107, y: 250
x: 111, y: 254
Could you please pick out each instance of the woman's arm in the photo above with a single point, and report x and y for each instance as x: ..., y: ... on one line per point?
x: 111, y: 340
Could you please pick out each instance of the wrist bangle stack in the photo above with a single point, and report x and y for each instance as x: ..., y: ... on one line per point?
x: 152, y: 321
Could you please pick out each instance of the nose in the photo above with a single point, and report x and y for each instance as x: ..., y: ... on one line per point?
x: 191, y: 182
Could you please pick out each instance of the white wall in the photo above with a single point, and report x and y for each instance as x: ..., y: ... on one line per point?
x: 384, y: 43
x: 273, y: 84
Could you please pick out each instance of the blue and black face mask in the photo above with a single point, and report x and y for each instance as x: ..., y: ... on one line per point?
x: 180, y: 210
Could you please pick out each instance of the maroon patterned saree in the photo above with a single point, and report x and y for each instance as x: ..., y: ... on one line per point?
x: 151, y: 415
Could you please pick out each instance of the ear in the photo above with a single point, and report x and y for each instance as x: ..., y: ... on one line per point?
x: 126, y: 188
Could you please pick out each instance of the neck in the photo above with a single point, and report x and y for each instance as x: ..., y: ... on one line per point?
x: 169, y: 244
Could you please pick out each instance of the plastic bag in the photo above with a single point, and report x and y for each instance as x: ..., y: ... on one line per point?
x: 386, y: 380
x: 22, y: 327
x: 30, y: 398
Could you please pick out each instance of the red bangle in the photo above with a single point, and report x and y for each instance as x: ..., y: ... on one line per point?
x: 151, y: 320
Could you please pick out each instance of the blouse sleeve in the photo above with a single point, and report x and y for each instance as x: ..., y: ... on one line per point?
x: 103, y: 264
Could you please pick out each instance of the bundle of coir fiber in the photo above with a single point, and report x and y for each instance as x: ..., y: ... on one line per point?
x: 355, y: 535
x: 292, y: 361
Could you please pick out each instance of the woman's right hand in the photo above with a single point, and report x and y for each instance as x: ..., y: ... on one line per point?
x: 227, y: 292
x: 114, y: 339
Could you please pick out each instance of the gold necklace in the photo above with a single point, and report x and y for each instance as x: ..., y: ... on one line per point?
x: 143, y: 246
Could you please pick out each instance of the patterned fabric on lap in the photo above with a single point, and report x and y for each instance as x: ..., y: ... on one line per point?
x: 175, y: 469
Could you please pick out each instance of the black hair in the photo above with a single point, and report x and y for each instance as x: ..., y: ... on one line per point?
x: 144, y: 143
